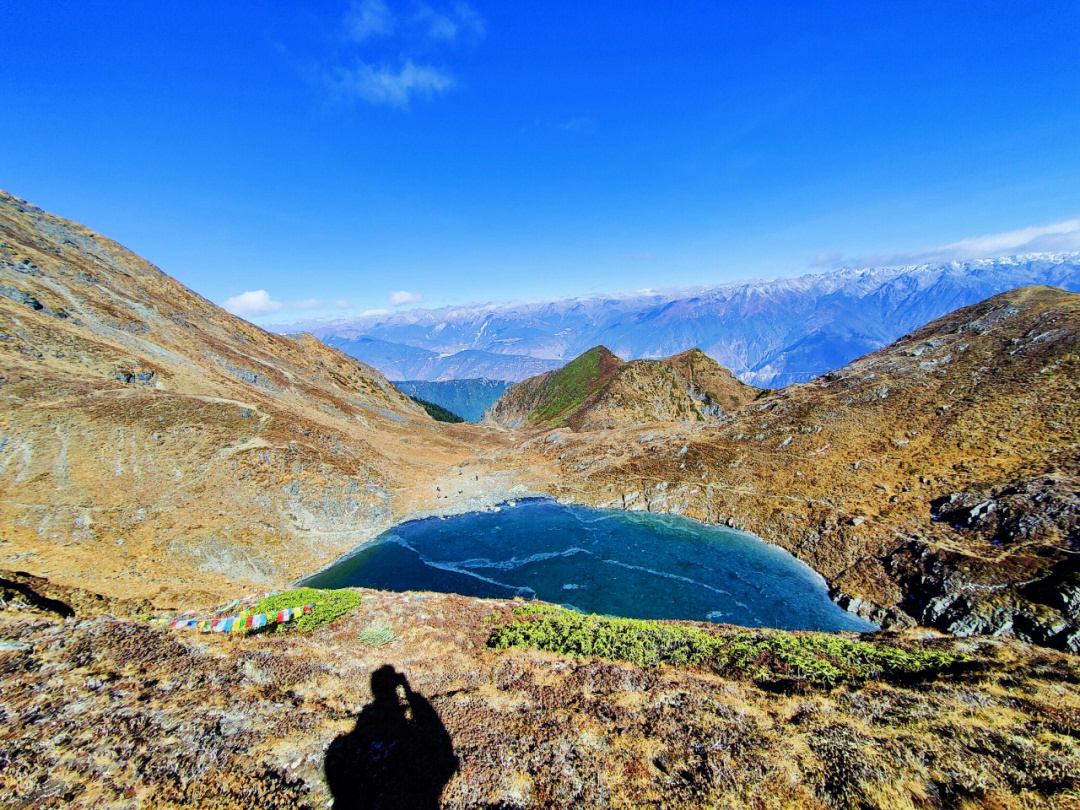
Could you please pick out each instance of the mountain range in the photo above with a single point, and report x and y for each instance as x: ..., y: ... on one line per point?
x: 768, y: 333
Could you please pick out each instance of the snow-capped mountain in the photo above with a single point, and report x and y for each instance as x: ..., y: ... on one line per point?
x: 769, y: 333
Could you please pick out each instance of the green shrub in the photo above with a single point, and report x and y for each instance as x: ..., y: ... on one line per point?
x: 761, y: 655
x: 378, y: 635
x: 328, y: 606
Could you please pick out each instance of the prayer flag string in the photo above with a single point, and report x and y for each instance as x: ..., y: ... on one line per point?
x: 238, y: 622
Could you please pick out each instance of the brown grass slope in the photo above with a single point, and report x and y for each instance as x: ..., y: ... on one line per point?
x: 152, y: 443
x: 115, y: 713
x: 935, y: 479
x: 686, y: 387
x: 599, y: 391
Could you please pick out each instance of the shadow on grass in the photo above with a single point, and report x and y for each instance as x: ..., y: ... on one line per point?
x: 399, y: 754
x: 10, y: 589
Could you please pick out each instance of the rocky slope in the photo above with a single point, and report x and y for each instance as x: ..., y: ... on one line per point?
x: 597, y: 390
x: 151, y: 443
x: 932, y: 481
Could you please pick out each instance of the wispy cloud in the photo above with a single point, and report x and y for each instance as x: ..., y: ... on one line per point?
x: 400, y: 298
x: 392, y: 72
x: 368, y: 18
x: 384, y: 85
x: 1059, y: 236
x: 368, y: 312
x: 341, y: 303
x: 308, y: 303
x: 448, y: 25
x: 252, y: 302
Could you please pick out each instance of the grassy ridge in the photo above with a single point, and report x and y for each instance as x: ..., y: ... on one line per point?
x: 761, y: 656
x: 571, y: 385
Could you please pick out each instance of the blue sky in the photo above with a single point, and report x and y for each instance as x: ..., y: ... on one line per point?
x: 377, y: 153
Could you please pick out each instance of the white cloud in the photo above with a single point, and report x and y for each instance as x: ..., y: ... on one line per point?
x: 308, y: 303
x: 385, y: 85
x: 368, y: 18
x: 368, y: 312
x: 341, y: 303
x: 462, y: 19
x: 1059, y: 236
x: 253, y: 302
x: 400, y: 298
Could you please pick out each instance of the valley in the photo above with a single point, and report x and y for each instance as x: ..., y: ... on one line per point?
x: 469, y: 399
x: 159, y: 457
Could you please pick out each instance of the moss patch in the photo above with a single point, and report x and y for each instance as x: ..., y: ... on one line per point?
x: 759, y: 655
x: 328, y: 605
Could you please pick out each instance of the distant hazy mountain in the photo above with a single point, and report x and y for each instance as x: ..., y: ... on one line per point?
x: 769, y: 333
x: 406, y: 361
x: 467, y: 398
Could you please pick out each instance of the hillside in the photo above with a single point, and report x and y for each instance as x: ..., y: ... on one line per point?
x: 152, y: 444
x: 598, y: 391
x: 467, y: 398
x: 768, y: 333
x: 934, y: 481
x: 107, y: 711
x: 556, y: 397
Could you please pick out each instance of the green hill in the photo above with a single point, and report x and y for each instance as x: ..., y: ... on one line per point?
x: 551, y: 399
x: 598, y: 390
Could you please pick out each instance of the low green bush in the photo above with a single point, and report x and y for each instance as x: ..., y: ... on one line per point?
x: 328, y: 605
x: 379, y: 635
x: 756, y: 654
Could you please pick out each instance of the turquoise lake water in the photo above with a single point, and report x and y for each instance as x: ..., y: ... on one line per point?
x: 598, y: 561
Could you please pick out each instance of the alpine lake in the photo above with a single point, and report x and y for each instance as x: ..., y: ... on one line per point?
x: 611, y: 562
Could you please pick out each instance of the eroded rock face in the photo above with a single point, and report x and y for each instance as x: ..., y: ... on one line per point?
x: 1033, y: 509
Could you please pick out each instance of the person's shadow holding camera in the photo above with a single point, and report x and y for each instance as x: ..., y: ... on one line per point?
x: 398, y: 755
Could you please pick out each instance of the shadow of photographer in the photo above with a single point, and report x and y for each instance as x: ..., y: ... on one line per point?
x: 398, y: 755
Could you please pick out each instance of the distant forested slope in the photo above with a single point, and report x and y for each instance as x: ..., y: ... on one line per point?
x: 467, y: 398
